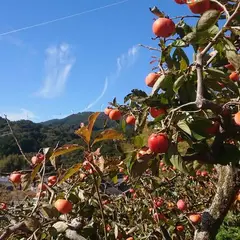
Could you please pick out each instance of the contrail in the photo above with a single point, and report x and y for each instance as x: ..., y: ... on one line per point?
x: 99, y: 97
x: 62, y: 18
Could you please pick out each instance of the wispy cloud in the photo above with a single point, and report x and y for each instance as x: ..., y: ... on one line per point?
x: 124, y: 61
x: 99, y: 97
x: 58, y: 64
x: 20, y: 115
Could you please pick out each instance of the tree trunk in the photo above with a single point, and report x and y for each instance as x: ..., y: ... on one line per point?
x: 227, y: 188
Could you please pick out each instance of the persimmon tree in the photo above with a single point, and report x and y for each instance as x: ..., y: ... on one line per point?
x: 176, y: 149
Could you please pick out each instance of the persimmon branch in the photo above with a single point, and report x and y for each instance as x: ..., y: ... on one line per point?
x: 7, y: 233
x: 223, y: 7
x: 201, y: 102
x: 15, y: 138
x: 212, y: 218
x: 149, y: 48
x: 101, y: 205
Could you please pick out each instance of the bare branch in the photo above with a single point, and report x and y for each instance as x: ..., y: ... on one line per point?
x: 150, y: 48
x: 7, y: 233
x: 15, y: 138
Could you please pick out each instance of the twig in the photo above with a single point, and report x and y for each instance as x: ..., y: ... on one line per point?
x: 40, y: 190
x: 201, y: 102
x: 186, y: 16
x: 149, y: 48
x: 211, y: 59
x: 202, y: 53
x: 101, y: 206
x: 19, y: 226
x: 184, y: 105
x: 15, y: 138
x: 223, y: 7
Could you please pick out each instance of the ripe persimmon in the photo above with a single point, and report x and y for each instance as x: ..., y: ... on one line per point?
x: 107, y: 110
x: 158, y: 143
x: 52, y: 180
x: 234, y: 76
x: 214, y: 128
x: 195, y: 218
x: 3, y: 206
x: 179, y: 228
x: 115, y: 114
x: 230, y: 67
x: 151, y: 79
x: 198, y: 7
x: 37, y: 158
x: 155, y: 112
x: 130, y: 120
x: 15, y: 177
x: 63, y: 206
x: 42, y: 186
x: 237, y: 118
x: 163, y: 27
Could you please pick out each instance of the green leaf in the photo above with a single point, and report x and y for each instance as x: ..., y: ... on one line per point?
x: 216, y: 73
x: 184, y: 127
x: 198, y: 128
x: 207, y: 20
x: 109, y: 134
x: 231, y: 54
x: 181, y: 59
x: 115, y: 179
x: 178, y: 83
x: 136, y: 95
x: 67, y: 148
x: 212, y: 31
x: 179, y: 43
x: 70, y: 172
x: 174, y: 157
x: 138, y: 141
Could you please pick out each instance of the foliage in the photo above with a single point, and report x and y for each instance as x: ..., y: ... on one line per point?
x: 189, y: 150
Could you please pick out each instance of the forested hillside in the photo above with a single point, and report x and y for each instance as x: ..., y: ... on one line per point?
x: 33, y: 136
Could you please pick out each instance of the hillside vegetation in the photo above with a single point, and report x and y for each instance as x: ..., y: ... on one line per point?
x: 34, y: 136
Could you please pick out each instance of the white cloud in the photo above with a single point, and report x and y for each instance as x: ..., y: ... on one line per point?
x: 20, y: 115
x: 58, y: 65
x: 124, y: 61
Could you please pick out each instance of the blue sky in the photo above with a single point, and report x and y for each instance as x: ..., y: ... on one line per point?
x: 76, y: 64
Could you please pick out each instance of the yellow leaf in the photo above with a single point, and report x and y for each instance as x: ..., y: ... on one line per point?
x: 67, y: 148
x: 70, y: 172
x: 109, y: 134
x: 91, y: 120
x: 35, y: 171
x: 86, y: 131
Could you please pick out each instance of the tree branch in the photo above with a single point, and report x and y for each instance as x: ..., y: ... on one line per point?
x: 201, y: 102
x: 7, y: 233
x: 15, y: 138
x: 227, y: 188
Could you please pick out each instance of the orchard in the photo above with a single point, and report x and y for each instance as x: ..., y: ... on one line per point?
x: 175, y: 173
